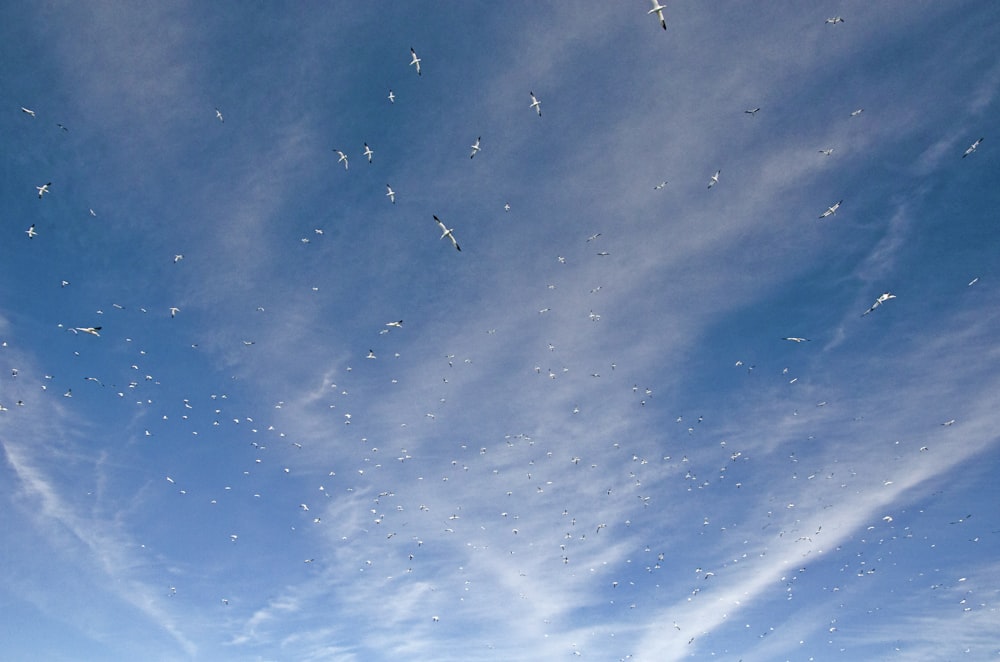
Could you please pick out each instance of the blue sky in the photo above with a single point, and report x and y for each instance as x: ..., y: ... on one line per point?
x: 589, y: 437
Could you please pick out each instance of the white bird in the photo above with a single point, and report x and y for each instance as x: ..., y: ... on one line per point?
x: 31, y: 231
x: 506, y: 206
x: 796, y: 339
x: 973, y: 281
x: 27, y: 111
x: 857, y: 112
x: 972, y: 148
x: 368, y: 152
x: 415, y: 61
x: 658, y: 10
x: 178, y: 258
x: 398, y: 324
x: 878, y: 302
x: 390, y: 194
x: 826, y: 152
x: 834, y: 20
x: 218, y: 114
x: 342, y: 159
x: 92, y: 330
x: 832, y: 209
x: 715, y: 179
x: 174, y: 310
x: 43, y: 189
x: 446, y: 232
x: 536, y: 104
x: 659, y: 186
x: 392, y: 97
x: 475, y: 147
x: 371, y: 354
x: 752, y: 112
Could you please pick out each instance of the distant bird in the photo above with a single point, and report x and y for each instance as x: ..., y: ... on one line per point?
x: 342, y: 159
x: 831, y: 210
x: 174, y: 310
x: 795, y: 339
x: 973, y: 281
x: 27, y: 111
x: 752, y: 112
x: 31, y: 231
x: 62, y: 126
x: 506, y: 206
x: 658, y: 10
x: 659, y: 186
x: 475, y: 147
x: 536, y: 104
x: 715, y: 179
x: 392, y: 97
x: 371, y: 354
x: 415, y: 61
x: 218, y: 114
x: 593, y: 236
x: 178, y: 258
x: 834, y: 20
x: 92, y: 330
x: 857, y: 112
x: 446, y: 232
x: 878, y: 302
x: 43, y: 189
x: 368, y: 152
x: 826, y: 152
x: 390, y: 194
x: 398, y: 325
x: 972, y: 148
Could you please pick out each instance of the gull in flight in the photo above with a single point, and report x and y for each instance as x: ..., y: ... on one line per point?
x: 218, y: 114
x: 392, y: 97
x: 475, y: 147
x: 834, y: 20
x: 31, y: 231
x: 368, y: 152
x: 658, y: 10
x: 415, y: 61
x: 174, y: 310
x: 92, y: 330
x: 659, y: 186
x: 43, y: 189
x: 878, y: 302
x: 795, y: 339
x: 972, y: 148
x: 826, y: 152
x: 857, y: 112
x: 398, y: 325
x: 715, y: 179
x: 27, y: 111
x: 371, y: 354
x: 390, y: 194
x: 831, y: 210
x: 536, y: 104
x: 178, y: 258
x: 343, y: 157
x: 752, y: 112
x: 446, y: 232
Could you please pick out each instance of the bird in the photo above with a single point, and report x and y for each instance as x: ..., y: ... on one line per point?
x: 27, y: 111
x: 446, y: 232
x: 972, y: 148
x: 397, y: 324
x: 752, y: 112
x: 43, y: 189
x: 658, y: 10
x: 415, y: 61
x: 593, y: 236
x: 391, y: 97
x: 831, y: 210
x: 834, y: 20
x: 218, y: 114
x: 826, y: 152
x: 659, y: 186
x: 390, y: 194
x: 343, y: 157
x: 174, y: 310
x: 368, y: 152
x: 878, y: 302
x: 92, y: 330
x: 178, y: 258
x: 536, y: 104
x: 475, y: 147
x: 796, y: 339
x: 31, y: 231
x: 715, y: 179
x: 857, y: 112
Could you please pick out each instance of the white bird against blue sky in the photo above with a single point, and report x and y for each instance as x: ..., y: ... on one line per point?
x: 475, y: 148
x: 342, y: 158
x: 536, y: 104
x: 972, y: 148
x: 832, y: 209
x: 368, y: 152
x: 658, y: 10
x: 447, y: 232
x: 43, y: 189
x: 414, y: 60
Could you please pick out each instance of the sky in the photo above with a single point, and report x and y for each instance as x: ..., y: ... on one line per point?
x: 635, y: 417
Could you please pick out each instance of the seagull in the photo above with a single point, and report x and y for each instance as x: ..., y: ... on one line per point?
x: 659, y: 186
x: 343, y: 157
x: 445, y: 232
x: 972, y: 148
x: 415, y: 61
x: 43, y: 189
x: 31, y: 231
x: 174, y: 310
x: 218, y: 113
x: 826, y: 152
x: 506, y: 206
x: 715, y: 179
x: 92, y: 330
x: 178, y: 258
x: 475, y: 147
x: 831, y: 210
x: 752, y: 112
x: 857, y: 112
x: 390, y: 194
x: 593, y: 236
x: 834, y: 20
x: 658, y: 10
x: 878, y: 302
x: 392, y: 97
x: 536, y: 104
x: 27, y: 111
x: 795, y: 339
x: 368, y: 152
x: 398, y: 325
x: 971, y: 282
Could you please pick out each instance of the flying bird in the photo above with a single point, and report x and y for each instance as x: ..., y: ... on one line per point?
x: 415, y: 61
x: 832, y: 209
x: 43, y: 189
x: 475, y: 147
x: 392, y: 97
x: 31, y: 231
x: 446, y: 232
x: 92, y: 330
x: 659, y: 186
x: 857, y: 112
x: 398, y: 324
x: 752, y: 112
x: 390, y: 194
x: 826, y: 152
x: 536, y: 104
x: 715, y: 179
x: 658, y: 10
x: 796, y: 339
x: 878, y: 302
x: 343, y: 157
x: 218, y: 114
x: 834, y: 20
x: 368, y: 152
x: 972, y: 148
x: 27, y: 111
x: 178, y: 258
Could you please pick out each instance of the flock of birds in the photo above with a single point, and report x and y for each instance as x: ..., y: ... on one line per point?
x: 138, y: 384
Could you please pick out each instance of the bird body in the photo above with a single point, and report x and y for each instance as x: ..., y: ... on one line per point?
x: 832, y: 209
x: 475, y: 147
x: 447, y: 232
x: 342, y: 159
x: 415, y: 61
x: 368, y: 152
x: 972, y: 148
x: 390, y: 194
x: 878, y: 302
x: 715, y: 179
x: 658, y: 10
x: 536, y: 104
x: 43, y: 189
x: 27, y: 111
